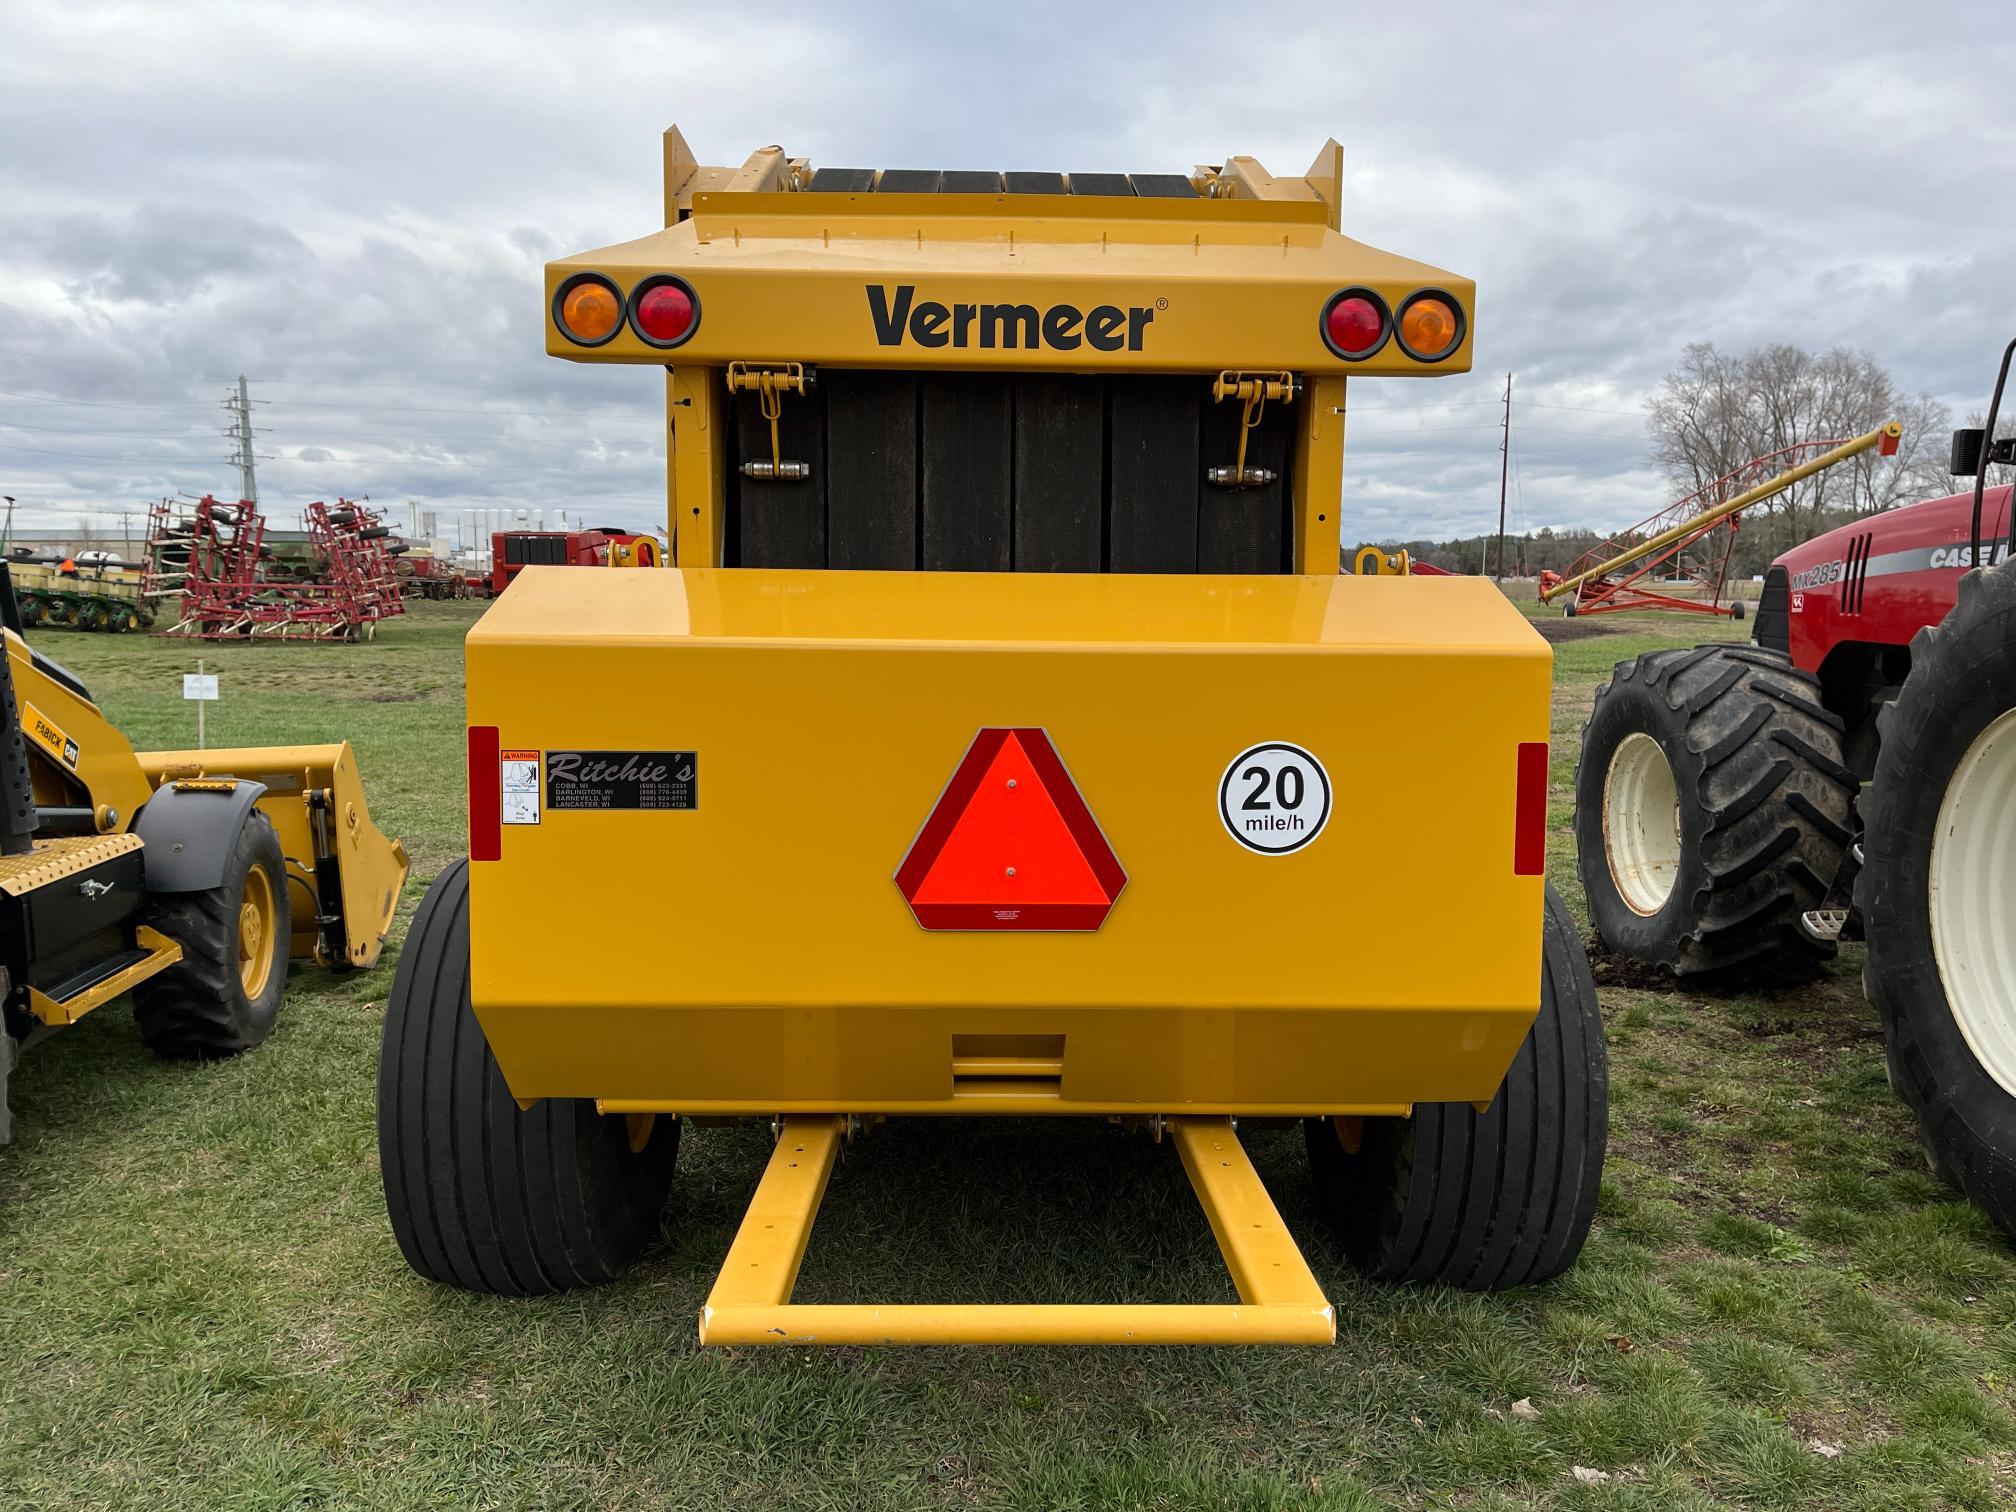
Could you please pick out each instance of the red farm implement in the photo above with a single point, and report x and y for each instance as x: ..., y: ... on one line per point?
x: 210, y: 556
x: 1688, y: 544
x: 352, y: 542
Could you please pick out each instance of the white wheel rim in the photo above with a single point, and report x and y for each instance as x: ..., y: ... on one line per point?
x: 1641, y: 824
x: 1973, y: 898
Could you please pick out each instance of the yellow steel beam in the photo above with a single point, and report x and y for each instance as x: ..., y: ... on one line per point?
x: 1281, y: 1302
x: 696, y: 410
x: 1319, y: 475
x: 762, y: 1264
x: 1266, y: 1267
x: 1729, y: 507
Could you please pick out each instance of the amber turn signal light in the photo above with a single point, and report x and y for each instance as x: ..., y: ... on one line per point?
x: 588, y: 309
x: 1430, y: 326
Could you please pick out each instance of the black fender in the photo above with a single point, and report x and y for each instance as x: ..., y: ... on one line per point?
x: 189, y: 829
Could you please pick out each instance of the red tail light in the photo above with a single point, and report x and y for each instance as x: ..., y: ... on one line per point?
x: 664, y: 310
x: 1355, y: 324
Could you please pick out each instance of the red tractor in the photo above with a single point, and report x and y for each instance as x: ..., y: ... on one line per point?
x: 1724, y: 829
x: 607, y: 546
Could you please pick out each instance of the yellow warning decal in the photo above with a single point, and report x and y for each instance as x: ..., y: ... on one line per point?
x: 46, y: 733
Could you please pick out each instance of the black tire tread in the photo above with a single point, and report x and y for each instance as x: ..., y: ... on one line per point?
x: 1490, y: 1201
x: 197, y: 1008
x: 1961, y: 671
x: 481, y: 1194
x: 1767, y: 809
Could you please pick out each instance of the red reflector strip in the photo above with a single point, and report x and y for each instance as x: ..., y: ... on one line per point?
x: 486, y: 794
x: 1529, y: 839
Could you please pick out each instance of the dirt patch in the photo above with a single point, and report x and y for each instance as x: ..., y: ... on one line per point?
x: 1613, y: 970
x: 1556, y: 630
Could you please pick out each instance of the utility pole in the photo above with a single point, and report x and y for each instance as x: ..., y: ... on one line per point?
x: 239, y: 406
x: 1504, y: 458
x: 7, y: 530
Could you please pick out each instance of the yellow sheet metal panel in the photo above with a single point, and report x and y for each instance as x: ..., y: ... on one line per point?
x: 1199, y: 285
x: 85, y: 751
x: 770, y: 956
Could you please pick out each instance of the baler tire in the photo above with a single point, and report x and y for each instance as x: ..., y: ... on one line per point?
x: 200, y: 1008
x: 1962, y: 681
x: 1490, y: 1201
x: 482, y: 1194
x: 1764, y: 804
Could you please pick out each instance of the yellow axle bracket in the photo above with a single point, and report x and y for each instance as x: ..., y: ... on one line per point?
x: 1279, y: 1302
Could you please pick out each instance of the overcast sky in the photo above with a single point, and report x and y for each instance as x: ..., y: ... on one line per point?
x: 351, y: 204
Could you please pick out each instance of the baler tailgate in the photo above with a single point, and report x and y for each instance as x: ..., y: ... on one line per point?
x: 1280, y: 1300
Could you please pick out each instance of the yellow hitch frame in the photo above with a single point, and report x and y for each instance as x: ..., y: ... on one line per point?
x: 1279, y: 1302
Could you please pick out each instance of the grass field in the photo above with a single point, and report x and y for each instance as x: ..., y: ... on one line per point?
x: 201, y: 1304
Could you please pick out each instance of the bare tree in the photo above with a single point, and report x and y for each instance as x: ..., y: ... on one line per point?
x: 1716, y: 411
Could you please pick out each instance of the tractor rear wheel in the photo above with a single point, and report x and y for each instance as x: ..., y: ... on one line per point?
x: 1492, y: 1200
x: 1712, y: 811
x: 1935, y: 888
x: 224, y: 994
x: 483, y: 1194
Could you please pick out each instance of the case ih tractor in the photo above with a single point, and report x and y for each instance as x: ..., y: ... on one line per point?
x: 1724, y: 828
x: 1001, y: 740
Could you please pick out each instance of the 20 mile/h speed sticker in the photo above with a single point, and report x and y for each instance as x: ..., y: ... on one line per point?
x: 1274, y: 798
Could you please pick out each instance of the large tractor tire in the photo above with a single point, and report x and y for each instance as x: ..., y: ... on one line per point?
x: 222, y: 997
x: 1938, y: 876
x: 1712, y: 811
x: 1492, y: 1200
x: 482, y: 1194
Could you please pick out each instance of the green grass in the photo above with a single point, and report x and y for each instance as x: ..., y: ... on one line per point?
x: 201, y: 1304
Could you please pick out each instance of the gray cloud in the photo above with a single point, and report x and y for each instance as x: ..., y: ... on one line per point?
x: 351, y: 204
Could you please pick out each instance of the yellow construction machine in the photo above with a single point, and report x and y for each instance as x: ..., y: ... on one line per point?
x: 1002, y: 739
x: 188, y: 878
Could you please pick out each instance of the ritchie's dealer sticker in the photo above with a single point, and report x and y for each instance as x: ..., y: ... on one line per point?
x: 622, y: 780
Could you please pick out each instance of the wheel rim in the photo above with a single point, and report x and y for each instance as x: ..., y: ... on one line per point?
x: 1641, y: 824
x: 1973, y: 887
x: 255, y: 932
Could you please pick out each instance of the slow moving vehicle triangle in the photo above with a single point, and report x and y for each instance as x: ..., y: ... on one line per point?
x: 1011, y: 845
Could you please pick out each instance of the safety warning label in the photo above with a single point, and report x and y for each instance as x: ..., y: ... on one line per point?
x: 622, y: 780
x: 521, y: 786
